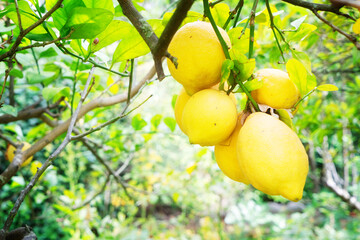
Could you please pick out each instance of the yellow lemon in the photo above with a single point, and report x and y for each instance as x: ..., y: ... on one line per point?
x: 10, y: 153
x: 272, y: 156
x: 181, y: 100
x: 278, y: 91
x: 209, y: 117
x: 199, y: 56
x: 226, y: 156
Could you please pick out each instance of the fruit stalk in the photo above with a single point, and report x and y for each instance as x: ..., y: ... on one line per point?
x: 226, y: 51
x: 272, y: 26
x: 252, y: 29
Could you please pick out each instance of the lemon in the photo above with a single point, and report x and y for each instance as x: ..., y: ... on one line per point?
x: 10, y: 153
x: 199, y: 56
x: 278, y: 91
x: 209, y: 117
x: 272, y: 156
x: 226, y: 157
x: 181, y: 100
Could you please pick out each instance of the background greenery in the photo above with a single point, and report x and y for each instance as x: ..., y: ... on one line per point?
x: 175, y: 190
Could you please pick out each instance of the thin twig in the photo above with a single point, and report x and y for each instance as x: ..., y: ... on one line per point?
x: 252, y: 29
x: 236, y: 11
x: 348, y: 36
x: 8, y: 140
x: 131, y: 78
x: 45, y: 43
x: 122, y: 115
x: 7, y: 73
x: 18, y: 16
x: 272, y: 24
x: 66, y: 51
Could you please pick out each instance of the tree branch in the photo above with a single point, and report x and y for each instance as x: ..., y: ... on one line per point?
x: 348, y: 36
x: 318, y: 7
x: 332, y: 178
x: 27, y: 113
x: 158, y: 46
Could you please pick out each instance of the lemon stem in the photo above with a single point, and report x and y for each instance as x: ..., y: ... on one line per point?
x: 213, y: 24
x: 252, y: 29
x: 272, y: 26
x: 207, y: 13
x: 236, y: 11
x: 303, y: 98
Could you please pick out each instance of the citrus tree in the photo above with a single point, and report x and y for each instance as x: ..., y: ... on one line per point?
x: 74, y: 73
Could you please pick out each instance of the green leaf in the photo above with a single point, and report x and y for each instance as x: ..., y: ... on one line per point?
x: 62, y: 14
x: 16, y: 73
x: 253, y: 84
x: 170, y: 122
x: 106, y: 4
x: 156, y: 120
x: 77, y: 46
x: 296, y: 24
x: 50, y: 92
x: 28, y: 17
x: 220, y: 13
x: 138, y: 122
x: 327, y: 87
x: 173, y: 100
x: 226, y: 68
x: 298, y: 75
x: 239, y: 46
x: 115, y: 31
x: 33, y: 78
x: 304, y: 30
x: 285, y: 117
x: 50, y: 52
x: 132, y: 44
x: 86, y: 22
x: 244, y: 67
x: 8, y: 109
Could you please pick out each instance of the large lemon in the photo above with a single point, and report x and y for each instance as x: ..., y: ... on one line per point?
x: 278, y: 91
x: 209, y: 117
x: 226, y: 157
x: 182, y: 99
x: 272, y: 156
x: 10, y: 153
x: 199, y: 56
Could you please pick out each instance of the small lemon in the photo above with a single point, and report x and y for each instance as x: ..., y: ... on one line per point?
x: 272, y: 156
x: 278, y: 91
x: 226, y: 157
x: 10, y: 153
x: 199, y: 56
x: 209, y: 117
x: 182, y: 99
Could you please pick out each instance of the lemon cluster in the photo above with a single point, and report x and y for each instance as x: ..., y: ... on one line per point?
x: 256, y: 148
